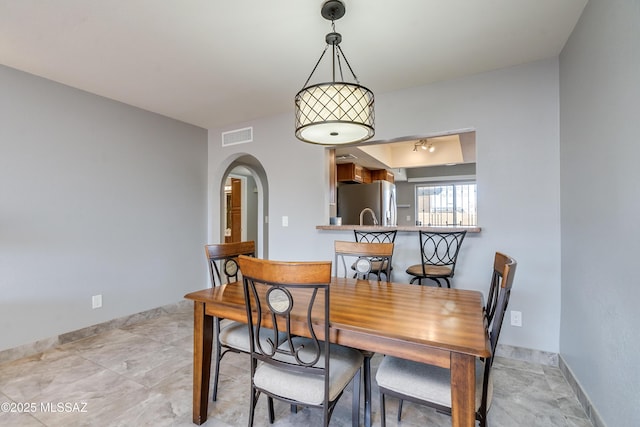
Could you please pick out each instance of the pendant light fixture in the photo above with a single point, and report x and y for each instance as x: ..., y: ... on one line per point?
x: 335, y: 112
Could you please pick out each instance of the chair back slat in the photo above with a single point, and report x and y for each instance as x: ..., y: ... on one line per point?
x: 504, y: 271
x: 500, y: 260
x: 222, y: 260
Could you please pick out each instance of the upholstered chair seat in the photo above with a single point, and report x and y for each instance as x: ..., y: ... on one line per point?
x: 235, y: 335
x: 304, y: 388
x: 426, y: 382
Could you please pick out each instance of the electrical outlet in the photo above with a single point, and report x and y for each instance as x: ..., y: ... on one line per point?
x: 516, y: 318
x: 285, y: 221
x: 96, y: 301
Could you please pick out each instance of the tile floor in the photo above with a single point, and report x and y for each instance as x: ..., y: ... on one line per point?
x: 141, y: 375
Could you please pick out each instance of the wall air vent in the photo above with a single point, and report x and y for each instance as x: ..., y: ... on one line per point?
x: 238, y: 136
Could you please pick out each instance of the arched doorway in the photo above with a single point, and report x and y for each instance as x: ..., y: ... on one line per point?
x: 246, y: 175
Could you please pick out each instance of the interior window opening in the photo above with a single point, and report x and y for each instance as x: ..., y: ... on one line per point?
x: 447, y: 204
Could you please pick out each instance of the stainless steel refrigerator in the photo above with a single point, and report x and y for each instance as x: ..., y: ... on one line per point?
x: 379, y: 196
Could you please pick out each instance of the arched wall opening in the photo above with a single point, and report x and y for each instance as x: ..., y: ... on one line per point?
x: 240, y: 165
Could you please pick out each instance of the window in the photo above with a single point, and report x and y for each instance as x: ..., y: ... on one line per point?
x: 447, y: 204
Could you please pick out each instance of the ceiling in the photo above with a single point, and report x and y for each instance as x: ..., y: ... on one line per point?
x: 453, y: 149
x: 216, y: 63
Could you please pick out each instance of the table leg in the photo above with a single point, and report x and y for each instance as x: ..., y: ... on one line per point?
x: 463, y: 390
x: 202, y: 345
x: 367, y: 391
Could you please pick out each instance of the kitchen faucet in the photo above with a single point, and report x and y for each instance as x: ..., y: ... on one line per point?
x: 373, y: 215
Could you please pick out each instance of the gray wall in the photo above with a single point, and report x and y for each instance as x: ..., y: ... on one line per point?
x: 599, y: 93
x: 514, y: 112
x: 96, y: 197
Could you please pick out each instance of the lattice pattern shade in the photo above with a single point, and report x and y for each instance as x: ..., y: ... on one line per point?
x: 334, y: 113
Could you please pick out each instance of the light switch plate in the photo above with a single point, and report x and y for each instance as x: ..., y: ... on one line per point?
x: 285, y: 221
x: 96, y: 301
x: 516, y: 318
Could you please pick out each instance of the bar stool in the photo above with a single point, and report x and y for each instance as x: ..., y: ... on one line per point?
x: 439, y: 254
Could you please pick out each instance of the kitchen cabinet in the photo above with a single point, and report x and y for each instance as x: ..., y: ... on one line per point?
x: 351, y: 172
x: 366, y: 176
x: 381, y: 175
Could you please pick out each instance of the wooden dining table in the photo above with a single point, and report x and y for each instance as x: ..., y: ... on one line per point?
x: 437, y: 326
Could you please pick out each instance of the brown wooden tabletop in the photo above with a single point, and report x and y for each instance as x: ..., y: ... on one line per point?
x: 443, y: 327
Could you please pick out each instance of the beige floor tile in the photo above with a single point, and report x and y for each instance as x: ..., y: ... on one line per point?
x: 141, y: 374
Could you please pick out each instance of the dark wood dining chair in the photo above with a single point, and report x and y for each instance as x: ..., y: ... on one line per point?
x: 364, y: 258
x: 439, y: 255
x: 223, y: 268
x: 431, y: 385
x: 387, y: 236
x: 303, y: 370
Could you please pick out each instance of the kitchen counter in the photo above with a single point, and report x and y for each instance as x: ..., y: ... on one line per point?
x: 399, y: 228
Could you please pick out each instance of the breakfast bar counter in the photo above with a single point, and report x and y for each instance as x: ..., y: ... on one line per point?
x: 407, y: 247
x: 398, y: 228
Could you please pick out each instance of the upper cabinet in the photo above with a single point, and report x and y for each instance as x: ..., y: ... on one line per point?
x: 382, y: 175
x: 351, y: 172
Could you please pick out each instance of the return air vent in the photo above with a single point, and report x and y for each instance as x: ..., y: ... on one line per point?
x: 238, y: 136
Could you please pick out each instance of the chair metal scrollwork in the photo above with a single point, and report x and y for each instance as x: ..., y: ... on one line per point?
x: 439, y: 255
